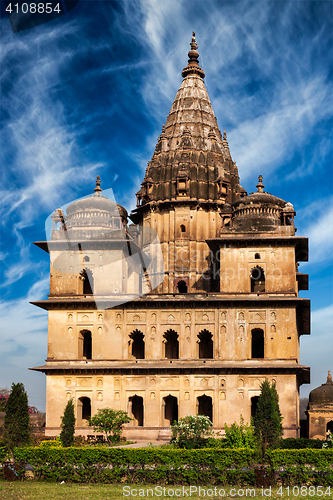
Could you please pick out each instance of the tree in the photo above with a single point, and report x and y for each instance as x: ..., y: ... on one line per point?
x: 191, y: 431
x: 68, y: 425
x: 111, y: 422
x: 4, y: 395
x: 240, y: 436
x: 268, y: 418
x: 17, y: 420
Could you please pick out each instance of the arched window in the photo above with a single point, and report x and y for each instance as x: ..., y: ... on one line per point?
x: 170, y: 404
x: 257, y: 279
x: 329, y: 426
x: 205, y: 406
x: 257, y: 256
x: 257, y: 344
x: 183, y: 228
x: 83, y: 411
x: 138, y: 345
x: 171, y: 345
x: 254, y: 404
x: 86, y: 258
x: 136, y: 408
x: 181, y: 287
x: 85, y: 344
x: 205, y: 344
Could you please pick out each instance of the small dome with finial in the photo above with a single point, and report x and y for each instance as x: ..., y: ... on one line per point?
x: 322, y: 395
x: 95, y: 212
x: 258, y: 211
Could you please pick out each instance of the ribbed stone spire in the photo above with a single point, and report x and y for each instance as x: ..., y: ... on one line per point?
x: 191, y: 140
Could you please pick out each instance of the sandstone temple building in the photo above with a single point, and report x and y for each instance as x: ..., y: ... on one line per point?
x: 194, y: 324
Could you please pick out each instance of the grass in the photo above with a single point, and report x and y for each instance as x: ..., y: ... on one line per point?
x: 38, y: 490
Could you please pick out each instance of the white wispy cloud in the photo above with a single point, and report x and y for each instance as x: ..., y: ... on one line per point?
x: 320, y: 234
x: 38, y: 142
x: 267, y: 126
x: 24, y: 341
x: 271, y: 139
x: 47, y: 159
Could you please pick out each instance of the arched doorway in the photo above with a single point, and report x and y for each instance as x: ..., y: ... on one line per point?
x: 205, y: 406
x: 138, y: 345
x: 136, y: 403
x: 171, y: 345
x: 257, y: 344
x: 205, y: 344
x: 83, y: 411
x: 329, y: 426
x: 170, y: 410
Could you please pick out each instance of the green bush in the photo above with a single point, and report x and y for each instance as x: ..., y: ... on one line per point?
x: 111, y: 422
x: 312, y: 467
x: 191, y: 431
x: 240, y: 436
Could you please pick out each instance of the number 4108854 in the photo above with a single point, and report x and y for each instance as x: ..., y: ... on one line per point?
x: 34, y: 8
x: 302, y: 491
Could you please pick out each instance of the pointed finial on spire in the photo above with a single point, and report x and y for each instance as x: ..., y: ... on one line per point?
x: 260, y: 186
x: 224, y: 135
x: 98, y: 186
x: 193, y: 67
x: 329, y: 377
x: 193, y: 43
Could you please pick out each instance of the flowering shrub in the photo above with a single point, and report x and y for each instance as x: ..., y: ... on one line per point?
x: 329, y: 441
x: 111, y: 422
x: 191, y: 431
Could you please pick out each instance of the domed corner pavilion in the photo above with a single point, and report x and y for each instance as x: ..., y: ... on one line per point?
x: 320, y: 410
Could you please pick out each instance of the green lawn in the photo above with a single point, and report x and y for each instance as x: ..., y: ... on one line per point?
x: 38, y: 490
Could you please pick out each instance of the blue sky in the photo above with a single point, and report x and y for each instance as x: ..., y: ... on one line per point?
x: 87, y: 94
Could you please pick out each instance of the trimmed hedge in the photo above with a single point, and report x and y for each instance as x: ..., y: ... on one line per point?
x: 300, y: 444
x: 313, y: 467
x: 165, y: 466
x: 145, y: 465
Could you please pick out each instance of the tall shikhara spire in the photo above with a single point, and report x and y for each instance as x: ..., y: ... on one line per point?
x: 191, y: 147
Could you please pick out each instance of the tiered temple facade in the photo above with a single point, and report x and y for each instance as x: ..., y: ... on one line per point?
x: 226, y: 314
